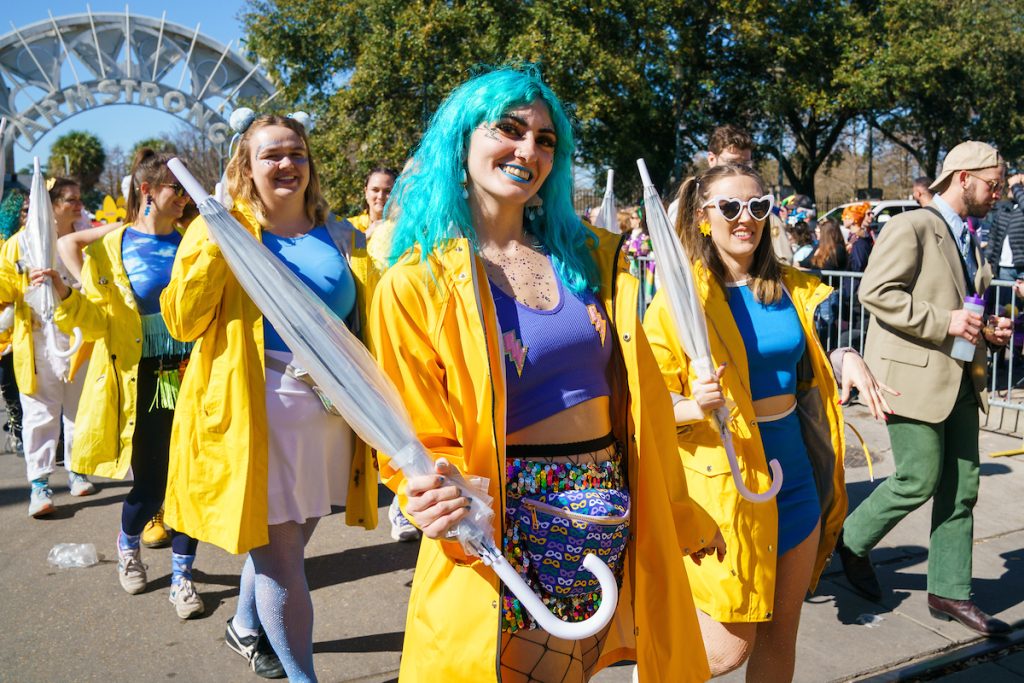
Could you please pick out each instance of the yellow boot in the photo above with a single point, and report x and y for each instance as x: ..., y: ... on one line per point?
x: 155, y: 535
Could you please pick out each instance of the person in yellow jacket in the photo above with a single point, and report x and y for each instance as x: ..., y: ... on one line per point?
x: 512, y: 336
x: 379, y: 183
x: 783, y: 404
x: 256, y: 459
x: 134, y: 371
x: 50, y: 387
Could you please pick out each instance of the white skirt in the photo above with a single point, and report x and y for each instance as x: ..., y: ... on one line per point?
x: 310, y: 451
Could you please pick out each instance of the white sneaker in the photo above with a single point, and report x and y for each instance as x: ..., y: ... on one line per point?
x: 80, y: 485
x: 186, y: 601
x: 40, y: 501
x: 130, y: 571
x: 402, y: 529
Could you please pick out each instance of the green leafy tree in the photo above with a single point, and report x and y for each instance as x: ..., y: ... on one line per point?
x: 959, y: 78
x: 85, y: 158
x: 374, y: 72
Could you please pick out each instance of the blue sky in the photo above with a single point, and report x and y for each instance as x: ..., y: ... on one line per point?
x: 123, y: 125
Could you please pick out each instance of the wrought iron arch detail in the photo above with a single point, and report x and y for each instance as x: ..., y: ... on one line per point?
x: 54, y: 69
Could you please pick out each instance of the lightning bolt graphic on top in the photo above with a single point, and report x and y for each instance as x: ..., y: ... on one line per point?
x: 515, y: 350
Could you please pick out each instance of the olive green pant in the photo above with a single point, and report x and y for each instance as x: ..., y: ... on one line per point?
x: 938, y: 461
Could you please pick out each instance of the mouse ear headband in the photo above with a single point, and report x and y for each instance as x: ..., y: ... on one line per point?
x: 242, y: 118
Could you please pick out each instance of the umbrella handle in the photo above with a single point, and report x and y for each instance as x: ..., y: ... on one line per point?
x: 539, y: 611
x: 734, y: 468
x: 76, y: 342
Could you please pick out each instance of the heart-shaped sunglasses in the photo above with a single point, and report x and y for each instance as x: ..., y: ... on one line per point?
x: 731, y: 207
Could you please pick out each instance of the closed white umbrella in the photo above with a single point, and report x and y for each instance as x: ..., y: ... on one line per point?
x: 39, y: 250
x: 676, y: 274
x: 348, y: 375
x: 609, y: 215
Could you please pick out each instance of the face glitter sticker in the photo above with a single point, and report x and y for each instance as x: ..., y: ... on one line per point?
x: 515, y: 350
x: 598, y: 321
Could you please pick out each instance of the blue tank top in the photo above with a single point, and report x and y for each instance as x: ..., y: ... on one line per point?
x: 147, y: 262
x: 774, y: 341
x: 315, y: 259
x: 554, y: 359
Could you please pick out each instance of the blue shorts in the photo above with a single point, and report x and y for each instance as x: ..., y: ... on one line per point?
x: 797, y: 502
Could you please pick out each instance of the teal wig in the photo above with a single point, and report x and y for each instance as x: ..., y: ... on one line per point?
x: 427, y: 202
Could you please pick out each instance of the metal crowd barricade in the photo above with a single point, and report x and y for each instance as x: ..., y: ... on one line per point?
x: 841, y: 321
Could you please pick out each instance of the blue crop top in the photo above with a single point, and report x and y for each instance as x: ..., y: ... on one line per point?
x: 554, y: 359
x: 316, y: 260
x: 774, y: 341
x: 147, y: 261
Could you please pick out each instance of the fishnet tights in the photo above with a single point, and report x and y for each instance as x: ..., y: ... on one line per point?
x: 535, y: 656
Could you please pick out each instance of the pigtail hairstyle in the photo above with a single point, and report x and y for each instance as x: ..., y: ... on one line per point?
x: 239, y: 171
x: 765, y: 271
x: 150, y: 167
x: 427, y: 199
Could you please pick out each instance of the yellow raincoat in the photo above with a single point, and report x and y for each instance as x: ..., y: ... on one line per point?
x: 21, y: 336
x: 434, y: 329
x: 742, y: 588
x: 217, y: 478
x: 106, y: 312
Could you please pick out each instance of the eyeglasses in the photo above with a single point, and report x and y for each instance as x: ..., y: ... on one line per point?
x: 994, y: 186
x: 731, y: 207
x: 179, y: 191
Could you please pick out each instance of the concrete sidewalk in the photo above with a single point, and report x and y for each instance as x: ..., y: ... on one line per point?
x: 78, y: 625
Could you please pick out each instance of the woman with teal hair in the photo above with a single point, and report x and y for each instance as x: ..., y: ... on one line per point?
x: 510, y: 329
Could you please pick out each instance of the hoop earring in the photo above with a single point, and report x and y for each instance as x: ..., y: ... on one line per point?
x: 149, y: 204
x: 465, y: 192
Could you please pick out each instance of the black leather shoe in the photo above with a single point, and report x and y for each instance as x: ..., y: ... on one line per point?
x: 859, y: 572
x: 968, y: 614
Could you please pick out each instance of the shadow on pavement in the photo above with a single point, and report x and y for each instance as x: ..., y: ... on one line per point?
x: 359, y: 563
x: 377, y: 642
x: 18, y: 495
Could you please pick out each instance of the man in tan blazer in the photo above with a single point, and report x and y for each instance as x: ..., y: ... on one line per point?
x: 924, y: 263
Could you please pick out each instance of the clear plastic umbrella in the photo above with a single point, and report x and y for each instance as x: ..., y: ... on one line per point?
x: 609, y: 216
x: 676, y: 274
x: 39, y: 250
x: 348, y: 375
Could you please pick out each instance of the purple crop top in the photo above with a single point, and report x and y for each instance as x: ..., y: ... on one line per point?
x: 554, y: 359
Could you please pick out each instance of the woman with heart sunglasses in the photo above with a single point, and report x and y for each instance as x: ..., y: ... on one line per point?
x: 784, y: 404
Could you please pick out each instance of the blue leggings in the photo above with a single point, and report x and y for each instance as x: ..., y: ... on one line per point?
x: 273, y: 593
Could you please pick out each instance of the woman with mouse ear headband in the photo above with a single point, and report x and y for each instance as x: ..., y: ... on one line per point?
x: 257, y: 457
x: 783, y: 406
